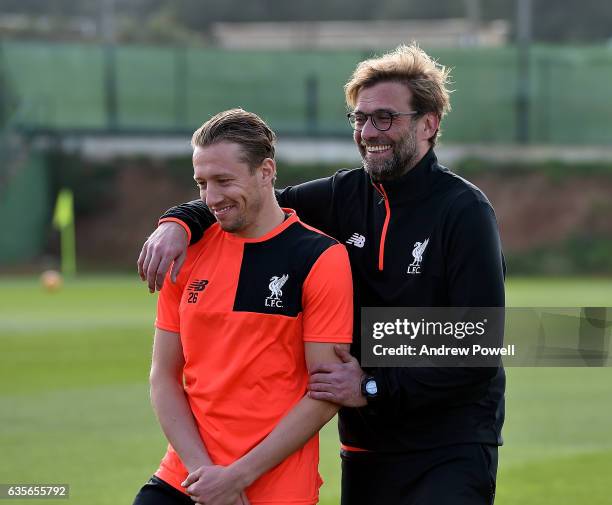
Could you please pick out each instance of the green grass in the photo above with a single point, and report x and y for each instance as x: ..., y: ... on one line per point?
x: 74, y: 403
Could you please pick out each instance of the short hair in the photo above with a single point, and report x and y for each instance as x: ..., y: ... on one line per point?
x: 409, y: 65
x: 241, y: 127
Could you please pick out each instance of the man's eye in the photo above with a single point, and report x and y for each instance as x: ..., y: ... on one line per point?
x: 382, y: 116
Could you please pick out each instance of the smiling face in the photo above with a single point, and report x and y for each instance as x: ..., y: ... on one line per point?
x: 233, y: 192
x: 390, y: 154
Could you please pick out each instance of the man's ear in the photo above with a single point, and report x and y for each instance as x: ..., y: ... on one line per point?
x: 267, y: 171
x: 429, y: 126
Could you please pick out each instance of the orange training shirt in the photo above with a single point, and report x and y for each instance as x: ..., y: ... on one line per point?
x: 244, y: 308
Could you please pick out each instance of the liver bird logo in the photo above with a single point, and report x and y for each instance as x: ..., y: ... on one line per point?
x: 417, y: 252
x: 276, y: 285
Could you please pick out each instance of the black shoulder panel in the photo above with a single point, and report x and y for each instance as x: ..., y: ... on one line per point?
x: 273, y: 272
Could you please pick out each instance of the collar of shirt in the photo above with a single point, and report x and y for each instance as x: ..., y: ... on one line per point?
x: 415, y: 184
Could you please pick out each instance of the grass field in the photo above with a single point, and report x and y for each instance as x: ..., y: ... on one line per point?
x: 74, y: 402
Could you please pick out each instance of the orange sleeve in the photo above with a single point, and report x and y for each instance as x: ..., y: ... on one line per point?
x: 170, y: 295
x: 168, y: 306
x: 177, y: 221
x: 327, y: 298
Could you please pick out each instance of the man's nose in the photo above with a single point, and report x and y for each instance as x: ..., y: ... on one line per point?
x: 213, y: 197
x: 369, y: 131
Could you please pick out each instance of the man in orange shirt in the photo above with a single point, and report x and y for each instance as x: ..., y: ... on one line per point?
x: 258, y: 303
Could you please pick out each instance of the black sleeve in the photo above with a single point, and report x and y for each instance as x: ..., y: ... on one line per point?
x: 311, y: 200
x: 475, y: 263
x: 195, y: 214
x: 475, y: 271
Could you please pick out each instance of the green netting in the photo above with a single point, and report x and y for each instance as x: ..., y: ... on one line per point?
x: 58, y: 85
x: 571, y: 96
x: 63, y: 86
x: 146, y: 87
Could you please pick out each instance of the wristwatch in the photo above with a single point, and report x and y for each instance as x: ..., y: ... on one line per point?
x: 369, y: 388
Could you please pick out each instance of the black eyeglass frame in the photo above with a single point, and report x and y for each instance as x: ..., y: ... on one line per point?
x: 351, y: 118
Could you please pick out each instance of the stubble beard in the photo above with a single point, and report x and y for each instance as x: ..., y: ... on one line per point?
x: 242, y: 222
x: 404, y: 158
x: 235, y: 226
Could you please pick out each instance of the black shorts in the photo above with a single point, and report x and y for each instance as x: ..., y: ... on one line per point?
x: 454, y: 475
x: 159, y: 492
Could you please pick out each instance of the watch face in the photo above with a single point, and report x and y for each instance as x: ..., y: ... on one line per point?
x: 371, y: 387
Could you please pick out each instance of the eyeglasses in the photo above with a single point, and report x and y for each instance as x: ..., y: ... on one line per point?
x: 381, y: 119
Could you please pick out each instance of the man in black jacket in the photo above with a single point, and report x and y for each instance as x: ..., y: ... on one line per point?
x: 409, y: 435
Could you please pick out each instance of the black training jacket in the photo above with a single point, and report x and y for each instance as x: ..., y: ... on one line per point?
x: 462, y: 266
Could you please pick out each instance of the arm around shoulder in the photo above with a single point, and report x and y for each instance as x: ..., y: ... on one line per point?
x: 178, y: 227
x: 313, y: 201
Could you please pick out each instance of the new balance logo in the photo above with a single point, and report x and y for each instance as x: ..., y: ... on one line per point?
x: 276, y: 291
x: 417, y: 254
x: 356, y: 240
x: 195, y: 288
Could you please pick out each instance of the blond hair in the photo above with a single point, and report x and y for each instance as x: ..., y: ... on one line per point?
x: 409, y: 65
x: 244, y: 128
